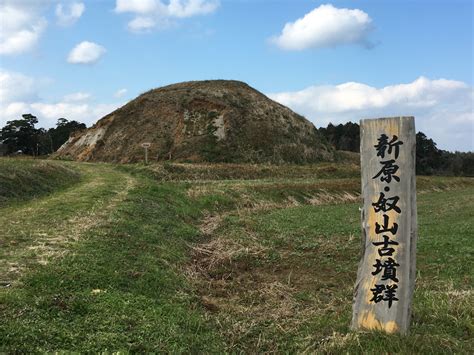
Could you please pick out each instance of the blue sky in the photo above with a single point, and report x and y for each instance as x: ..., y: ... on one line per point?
x: 332, y: 61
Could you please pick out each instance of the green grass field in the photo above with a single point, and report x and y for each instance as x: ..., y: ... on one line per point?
x: 187, y: 258
x: 22, y: 179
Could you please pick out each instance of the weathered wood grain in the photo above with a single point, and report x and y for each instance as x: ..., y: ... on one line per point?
x: 368, y: 314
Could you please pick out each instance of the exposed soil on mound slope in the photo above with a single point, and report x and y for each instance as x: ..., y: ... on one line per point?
x: 216, y: 120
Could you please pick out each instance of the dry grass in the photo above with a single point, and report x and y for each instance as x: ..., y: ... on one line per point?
x: 234, y: 281
x: 264, y: 292
x: 26, y: 178
x: 272, y: 273
x: 45, y: 229
x: 208, y: 172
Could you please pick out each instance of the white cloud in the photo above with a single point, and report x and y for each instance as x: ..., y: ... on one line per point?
x: 137, y: 6
x: 87, y: 113
x: 443, y: 108
x: 77, y: 96
x: 16, y: 87
x: 142, y: 24
x: 152, y: 14
x: 19, y: 95
x: 326, y: 26
x: 12, y: 111
x: 21, y: 26
x: 68, y: 14
x: 120, y: 93
x: 352, y: 96
x: 48, y: 113
x: 189, y: 8
x: 86, y: 53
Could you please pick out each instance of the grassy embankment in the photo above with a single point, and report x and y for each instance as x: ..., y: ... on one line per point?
x: 23, y: 179
x: 179, y: 258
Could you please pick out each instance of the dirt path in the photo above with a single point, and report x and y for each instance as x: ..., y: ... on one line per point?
x: 41, y: 229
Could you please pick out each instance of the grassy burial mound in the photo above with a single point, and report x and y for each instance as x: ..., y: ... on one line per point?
x: 22, y: 179
x: 214, y: 120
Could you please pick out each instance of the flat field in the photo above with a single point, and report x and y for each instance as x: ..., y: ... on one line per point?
x: 215, y: 258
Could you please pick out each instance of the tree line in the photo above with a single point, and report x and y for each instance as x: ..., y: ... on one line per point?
x: 429, y: 159
x: 22, y: 137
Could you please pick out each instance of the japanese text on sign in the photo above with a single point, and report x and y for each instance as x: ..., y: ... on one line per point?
x: 385, y: 290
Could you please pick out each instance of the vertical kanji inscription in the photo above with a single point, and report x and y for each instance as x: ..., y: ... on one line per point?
x: 386, y: 276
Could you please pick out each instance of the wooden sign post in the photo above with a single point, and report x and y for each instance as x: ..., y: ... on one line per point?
x: 146, y: 146
x: 386, y: 276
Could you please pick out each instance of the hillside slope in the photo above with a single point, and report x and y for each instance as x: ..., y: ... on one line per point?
x: 214, y: 120
x: 24, y: 179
